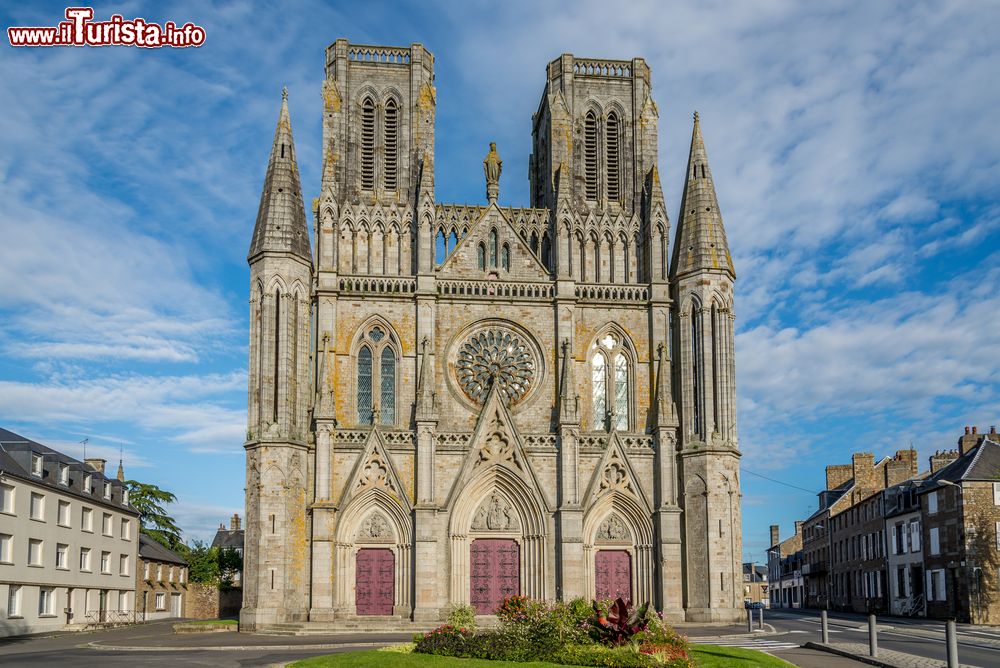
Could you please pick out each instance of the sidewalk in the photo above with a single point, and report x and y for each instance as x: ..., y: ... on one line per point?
x: 886, y: 657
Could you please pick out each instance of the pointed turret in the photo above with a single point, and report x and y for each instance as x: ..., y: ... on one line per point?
x: 281, y: 218
x: 121, y: 472
x: 700, y: 244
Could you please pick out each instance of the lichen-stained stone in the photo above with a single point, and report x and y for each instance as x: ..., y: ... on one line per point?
x: 428, y: 375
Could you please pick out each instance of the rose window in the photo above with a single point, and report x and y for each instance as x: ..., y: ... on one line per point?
x: 495, y: 357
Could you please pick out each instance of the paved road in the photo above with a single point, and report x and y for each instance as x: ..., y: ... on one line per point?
x: 977, y: 645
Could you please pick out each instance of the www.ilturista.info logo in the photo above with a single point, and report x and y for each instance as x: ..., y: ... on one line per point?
x: 80, y: 30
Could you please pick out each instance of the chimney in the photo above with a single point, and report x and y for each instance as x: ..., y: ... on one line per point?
x: 234, y: 522
x: 96, y: 463
x: 941, y: 459
x: 775, y: 535
x: 838, y: 474
x: 902, y: 467
x: 968, y: 441
x: 863, y: 464
x: 798, y: 527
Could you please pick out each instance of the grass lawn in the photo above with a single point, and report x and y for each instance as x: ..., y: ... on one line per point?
x: 377, y: 659
x: 713, y: 656
x: 705, y: 656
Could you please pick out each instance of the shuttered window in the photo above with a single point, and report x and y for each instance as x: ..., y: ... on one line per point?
x: 391, y: 142
x: 590, y: 155
x: 368, y: 144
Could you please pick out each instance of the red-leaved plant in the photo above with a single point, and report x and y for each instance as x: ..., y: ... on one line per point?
x: 621, y: 623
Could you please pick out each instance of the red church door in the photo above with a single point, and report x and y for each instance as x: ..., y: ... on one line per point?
x: 375, y: 577
x: 495, y: 572
x: 613, y: 574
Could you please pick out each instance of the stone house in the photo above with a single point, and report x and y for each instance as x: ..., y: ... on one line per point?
x: 960, y: 506
x: 67, y: 540
x: 784, y: 569
x: 451, y: 403
x: 161, y: 581
x: 231, y: 539
x: 905, y: 555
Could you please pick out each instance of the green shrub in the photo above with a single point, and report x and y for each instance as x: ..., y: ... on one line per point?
x: 443, y: 641
x: 463, y: 617
x: 626, y: 656
x: 571, y: 621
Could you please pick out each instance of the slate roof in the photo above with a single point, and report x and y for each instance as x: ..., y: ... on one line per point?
x: 15, y: 461
x: 150, y: 550
x: 979, y: 463
x: 228, y: 539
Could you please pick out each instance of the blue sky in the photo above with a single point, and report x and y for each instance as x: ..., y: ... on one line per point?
x: 854, y: 147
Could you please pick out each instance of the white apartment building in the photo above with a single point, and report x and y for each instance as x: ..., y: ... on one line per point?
x: 68, y: 540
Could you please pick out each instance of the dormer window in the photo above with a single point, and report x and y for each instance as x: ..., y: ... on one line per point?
x: 36, y: 464
x: 87, y: 480
x: 63, y: 474
x: 107, y: 490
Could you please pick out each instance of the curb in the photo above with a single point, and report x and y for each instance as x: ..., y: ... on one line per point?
x: 234, y: 648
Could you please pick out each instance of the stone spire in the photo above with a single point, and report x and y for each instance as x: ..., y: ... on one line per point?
x: 700, y: 244
x: 281, y: 218
x: 121, y: 472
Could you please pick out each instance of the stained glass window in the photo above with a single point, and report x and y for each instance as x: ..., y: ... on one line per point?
x: 493, y: 248
x: 481, y: 256
x: 365, y: 386
x: 600, y: 391
x: 387, y: 379
x: 621, y: 392
x: 505, y: 257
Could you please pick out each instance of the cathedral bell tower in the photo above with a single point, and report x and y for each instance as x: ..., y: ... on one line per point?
x: 275, y: 562
x: 702, y: 278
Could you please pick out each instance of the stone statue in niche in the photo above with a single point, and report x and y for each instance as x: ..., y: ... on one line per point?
x: 613, y: 528
x: 375, y: 527
x: 495, y: 514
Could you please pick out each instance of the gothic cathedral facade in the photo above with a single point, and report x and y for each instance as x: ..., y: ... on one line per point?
x: 451, y: 403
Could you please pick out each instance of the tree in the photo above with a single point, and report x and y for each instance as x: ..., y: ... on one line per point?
x: 154, y: 521
x: 203, y: 562
x: 230, y: 565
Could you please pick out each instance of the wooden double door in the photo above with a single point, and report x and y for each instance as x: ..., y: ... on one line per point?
x: 495, y: 572
x: 375, y: 581
x: 613, y: 575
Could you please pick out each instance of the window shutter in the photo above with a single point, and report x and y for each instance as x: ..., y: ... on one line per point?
x: 932, y: 502
x: 930, y: 586
x: 996, y: 494
x: 895, y: 530
x: 935, y: 541
x: 998, y: 535
x: 914, y: 537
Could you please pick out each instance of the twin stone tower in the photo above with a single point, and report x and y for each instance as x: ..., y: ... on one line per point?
x: 453, y: 403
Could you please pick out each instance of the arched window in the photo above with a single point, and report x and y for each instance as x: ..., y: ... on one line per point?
x: 505, y: 258
x: 365, y: 386
x: 696, y: 369
x: 440, y: 247
x: 611, y: 372
x: 599, y: 390
x: 368, y: 144
x: 716, y: 409
x: 387, y: 379
x: 493, y: 248
x: 376, y: 378
x: 546, y: 251
x: 277, y: 354
x: 534, y: 242
x: 612, y: 138
x: 391, y: 144
x: 590, y: 155
x: 481, y: 255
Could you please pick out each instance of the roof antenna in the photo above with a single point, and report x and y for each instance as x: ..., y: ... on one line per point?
x: 84, y: 443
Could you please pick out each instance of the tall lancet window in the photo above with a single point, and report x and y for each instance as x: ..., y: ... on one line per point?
x: 715, y: 368
x: 505, y: 258
x: 600, y: 390
x: 481, y: 255
x: 277, y: 354
x: 610, y: 383
x: 612, y: 137
x: 365, y: 385
x: 696, y: 371
x: 368, y: 144
x: 590, y: 155
x: 377, y: 355
x: 387, y: 378
x: 621, y: 392
x: 493, y: 248
x: 391, y: 144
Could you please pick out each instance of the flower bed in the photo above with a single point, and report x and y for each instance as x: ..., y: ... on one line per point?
x: 575, y: 633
